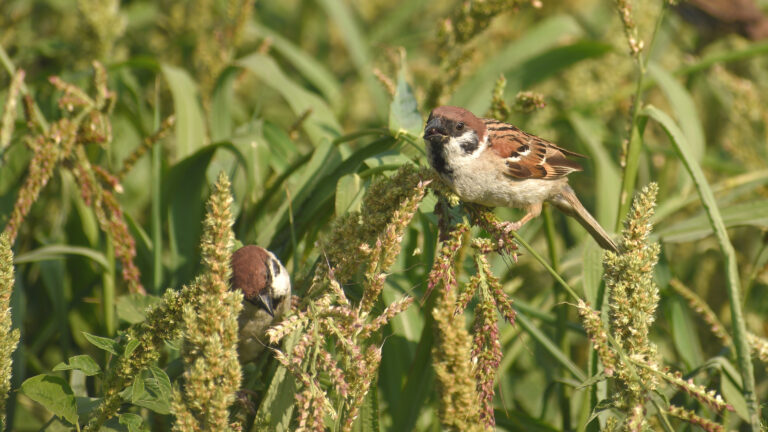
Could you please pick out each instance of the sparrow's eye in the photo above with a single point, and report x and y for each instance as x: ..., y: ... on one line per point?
x: 460, y: 126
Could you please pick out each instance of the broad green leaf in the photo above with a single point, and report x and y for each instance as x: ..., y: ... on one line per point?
x: 554, y: 60
x: 152, y: 389
x: 190, y: 123
x: 54, y: 394
x: 404, y: 114
x: 591, y: 131
x: 684, y: 108
x: 103, y: 343
x: 325, y: 157
x: 349, y: 194
x: 406, y: 404
x: 83, y: 363
x: 592, y: 272
x: 133, y: 422
x: 730, y: 384
x: 130, y: 347
x: 276, y: 408
x: 281, y: 148
x: 519, y: 420
x: 684, y: 334
x: 392, y: 26
x: 314, y: 71
x: 320, y: 124
x: 368, y: 416
x: 133, y: 307
x: 733, y: 279
x: 60, y: 251
x: 752, y: 213
x: 551, y: 347
x: 221, y: 119
x: 185, y: 189
x: 732, y: 394
x: 355, y: 41
x: 86, y: 405
x: 315, y: 200
x: 684, y: 152
x: 475, y: 92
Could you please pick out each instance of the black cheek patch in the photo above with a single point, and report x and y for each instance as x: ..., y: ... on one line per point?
x: 469, y: 147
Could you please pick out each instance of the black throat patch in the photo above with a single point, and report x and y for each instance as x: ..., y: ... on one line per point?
x: 437, y: 159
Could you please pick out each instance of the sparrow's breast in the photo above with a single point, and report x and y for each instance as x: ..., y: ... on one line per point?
x: 483, y: 181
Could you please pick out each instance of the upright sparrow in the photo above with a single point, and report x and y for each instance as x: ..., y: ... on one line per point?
x: 496, y: 164
x: 266, y: 291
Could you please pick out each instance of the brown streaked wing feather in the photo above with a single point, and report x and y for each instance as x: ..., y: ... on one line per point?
x: 544, y: 160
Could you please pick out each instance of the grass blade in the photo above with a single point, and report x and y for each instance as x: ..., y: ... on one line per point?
x: 683, y: 151
x: 321, y: 123
x: 190, y: 123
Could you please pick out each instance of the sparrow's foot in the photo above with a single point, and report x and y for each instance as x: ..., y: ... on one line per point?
x: 508, y: 227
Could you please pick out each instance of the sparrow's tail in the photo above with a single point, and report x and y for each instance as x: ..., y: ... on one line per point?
x: 567, y: 202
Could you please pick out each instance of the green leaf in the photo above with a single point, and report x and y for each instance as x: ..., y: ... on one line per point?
x: 276, y: 409
x: 550, y: 346
x: 321, y: 123
x: 133, y: 422
x: 355, y: 40
x: 733, y: 396
x: 83, y: 363
x: 130, y: 347
x: 592, y: 272
x: 152, y: 389
x: 184, y: 189
x: 325, y: 158
x: 314, y: 71
x: 404, y: 114
x: 554, y: 60
x: 731, y: 264
x: 103, y: 343
x: 54, y: 394
x: 190, y: 123
x: 684, y: 107
x: 475, y: 92
x: 349, y: 194
x: 752, y: 213
x: 221, y: 119
x: 592, y: 131
x: 60, y: 251
x: 684, y: 334
x: 133, y: 307
x: 368, y: 416
x: 86, y: 405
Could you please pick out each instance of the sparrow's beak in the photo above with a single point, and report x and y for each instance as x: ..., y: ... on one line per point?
x: 435, y: 130
x: 266, y: 301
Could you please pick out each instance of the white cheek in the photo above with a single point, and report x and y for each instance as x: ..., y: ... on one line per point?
x: 281, y: 284
x: 456, y: 152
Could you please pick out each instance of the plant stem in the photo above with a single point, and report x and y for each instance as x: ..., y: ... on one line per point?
x: 156, y: 215
x: 561, y: 312
x: 637, y: 124
x: 108, y: 289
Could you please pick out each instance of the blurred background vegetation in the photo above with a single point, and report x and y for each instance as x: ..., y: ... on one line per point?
x: 300, y: 102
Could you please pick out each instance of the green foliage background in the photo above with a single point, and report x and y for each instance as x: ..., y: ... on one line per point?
x: 304, y: 102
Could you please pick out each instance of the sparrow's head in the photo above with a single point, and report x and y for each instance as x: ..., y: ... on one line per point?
x: 261, y: 277
x: 452, y: 134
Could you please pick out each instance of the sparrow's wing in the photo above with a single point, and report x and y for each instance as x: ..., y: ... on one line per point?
x: 528, y: 156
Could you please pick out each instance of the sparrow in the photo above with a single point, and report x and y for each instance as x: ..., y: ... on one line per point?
x: 495, y: 164
x: 266, y: 291
x: 714, y: 18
